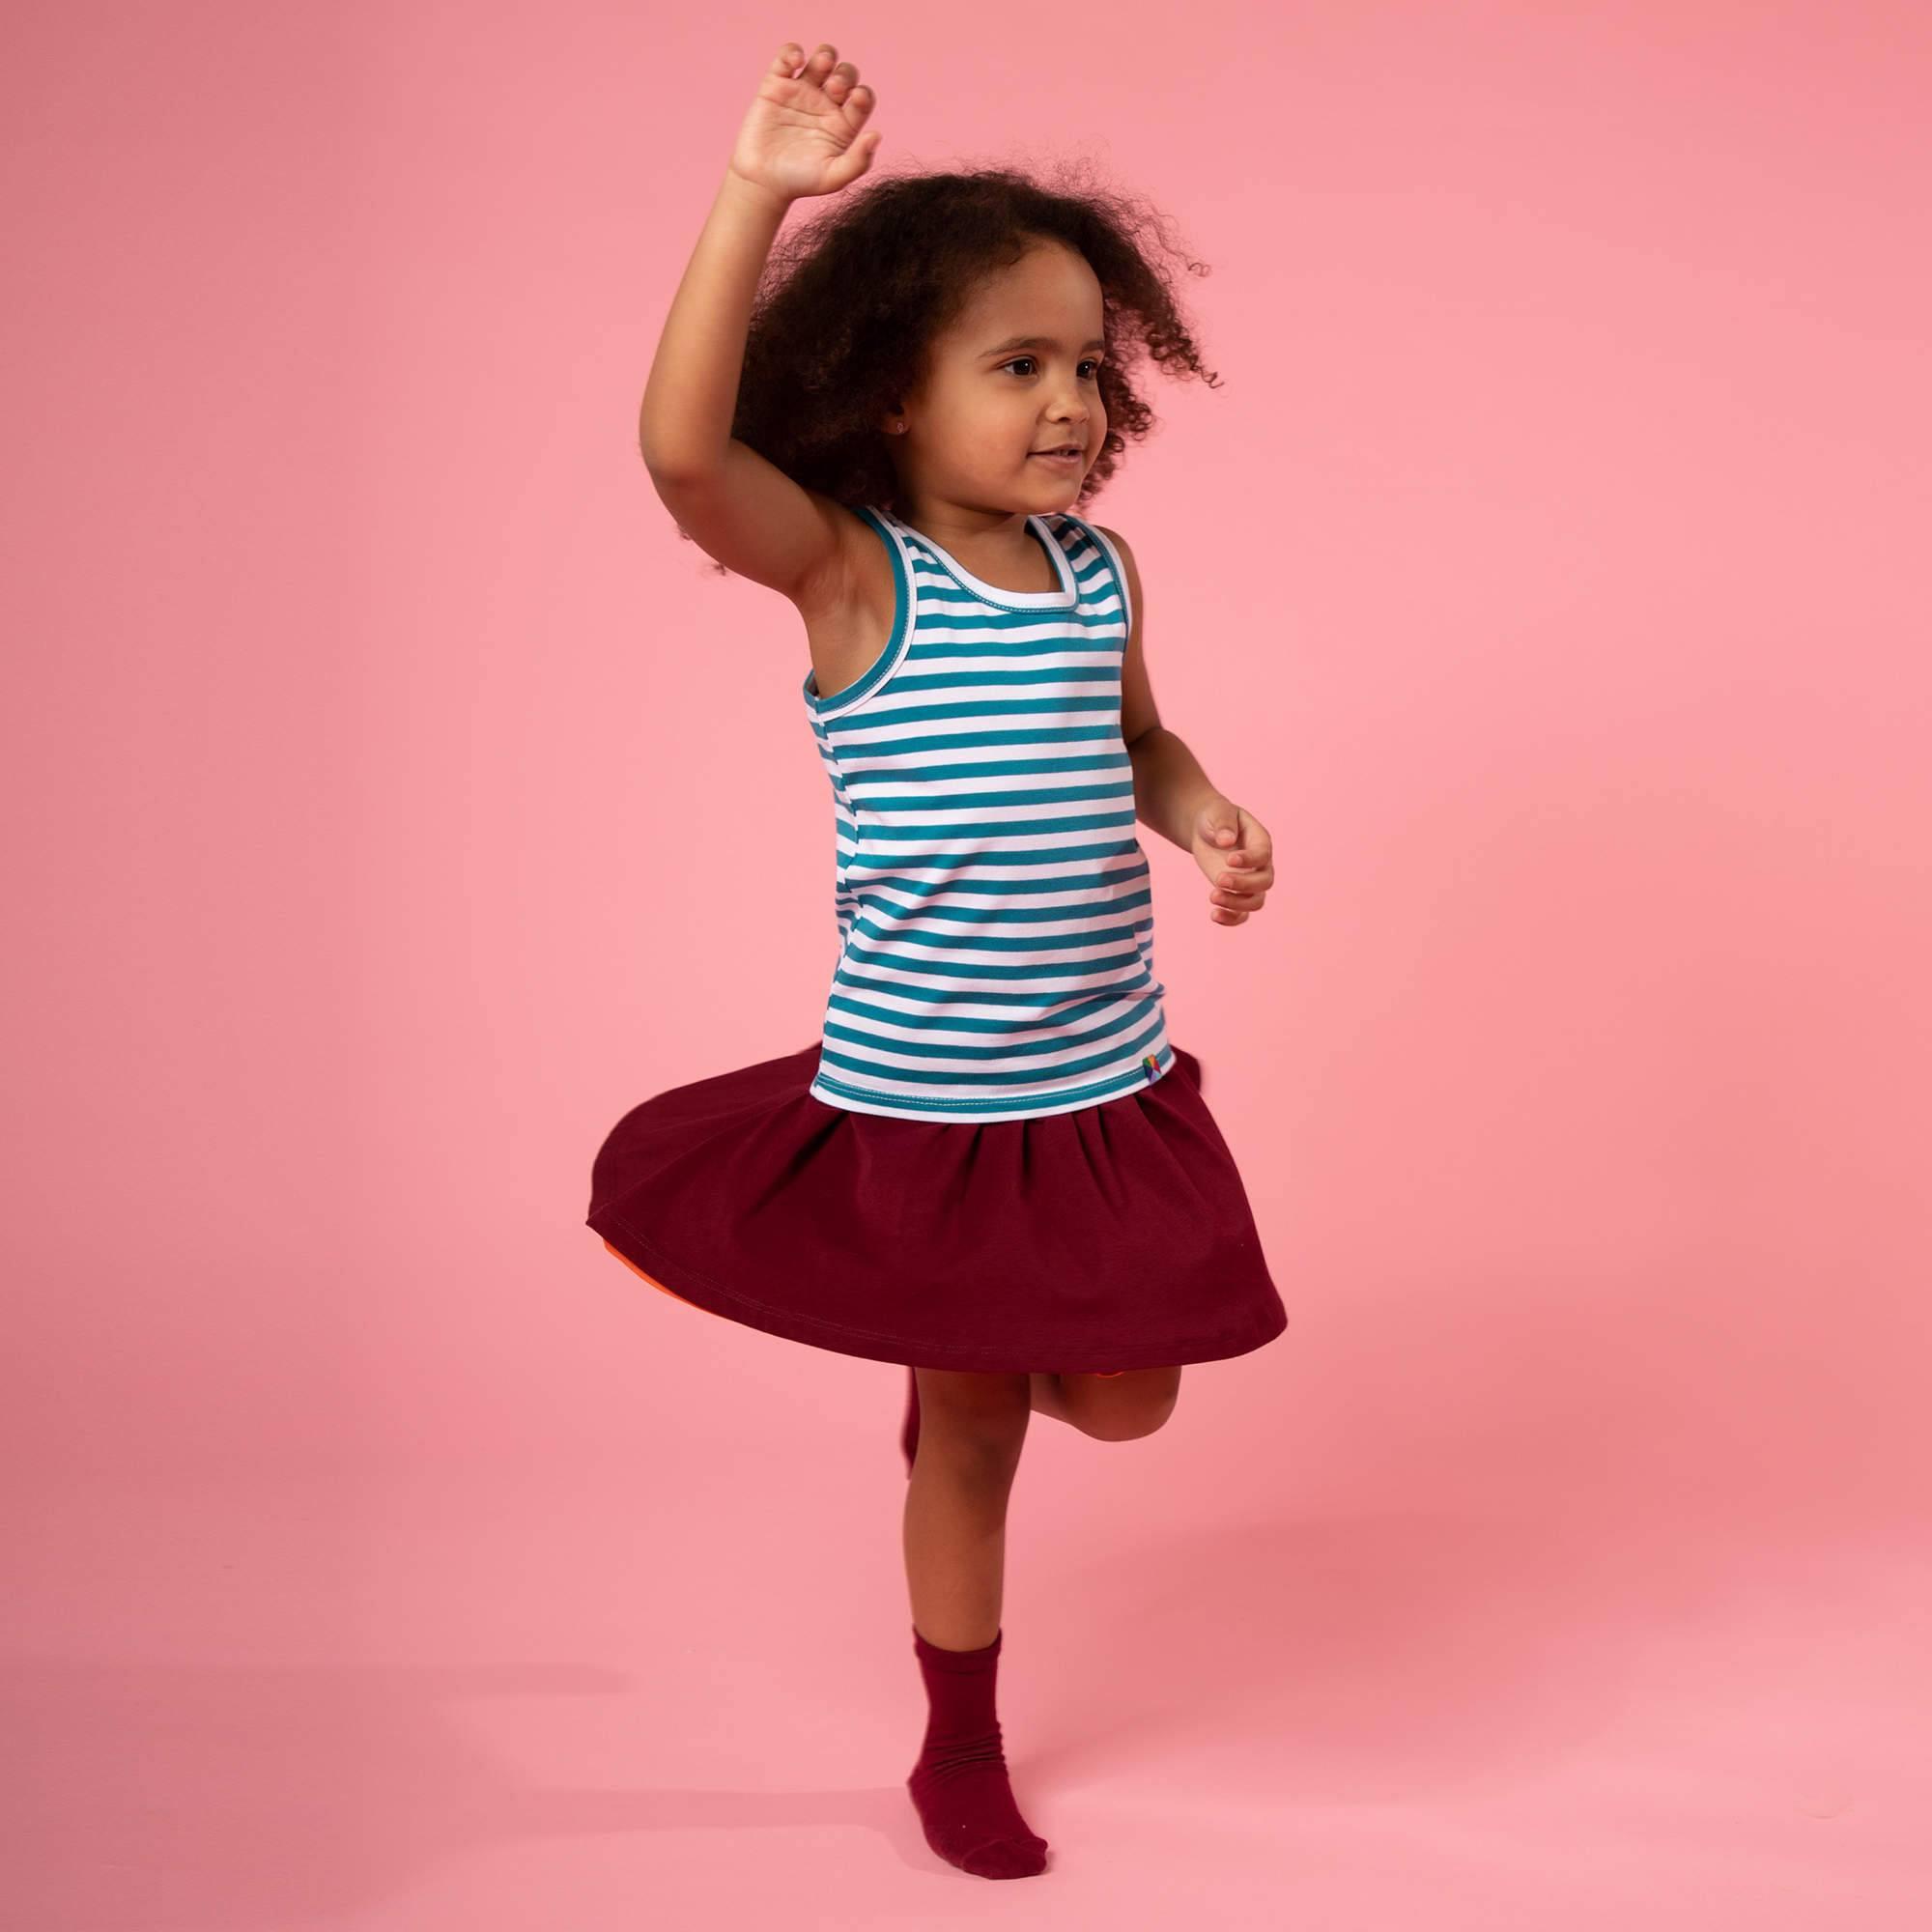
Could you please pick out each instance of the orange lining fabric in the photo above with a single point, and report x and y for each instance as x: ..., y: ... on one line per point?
x: 655, y: 1283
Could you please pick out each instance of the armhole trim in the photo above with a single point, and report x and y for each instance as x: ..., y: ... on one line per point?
x: 1120, y: 570
x: 905, y: 614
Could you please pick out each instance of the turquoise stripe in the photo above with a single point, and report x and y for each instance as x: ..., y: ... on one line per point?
x: 936, y: 835
x: 992, y: 650
x: 994, y: 768
x: 1007, y: 915
x: 861, y: 750
x: 1029, y: 1000
x: 951, y: 801
x: 1072, y: 881
x: 955, y: 969
x: 1026, y: 1008
x: 1055, y: 858
x: 1005, y: 680
x: 962, y: 942
x: 1011, y: 707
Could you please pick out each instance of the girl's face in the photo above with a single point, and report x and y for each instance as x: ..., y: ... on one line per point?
x: 1018, y: 371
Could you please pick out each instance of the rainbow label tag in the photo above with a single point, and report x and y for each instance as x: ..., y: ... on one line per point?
x: 1152, y: 1064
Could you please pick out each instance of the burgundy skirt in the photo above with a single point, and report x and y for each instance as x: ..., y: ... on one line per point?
x: 1114, y: 1237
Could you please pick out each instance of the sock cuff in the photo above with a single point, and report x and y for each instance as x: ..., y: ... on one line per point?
x: 956, y: 1660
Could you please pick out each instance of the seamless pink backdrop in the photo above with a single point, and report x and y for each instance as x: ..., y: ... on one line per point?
x: 394, y: 799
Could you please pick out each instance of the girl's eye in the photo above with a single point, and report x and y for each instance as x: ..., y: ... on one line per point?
x: 1092, y: 362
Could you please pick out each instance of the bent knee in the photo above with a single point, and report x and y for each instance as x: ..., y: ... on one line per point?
x: 1123, y: 1408
x: 1129, y: 1426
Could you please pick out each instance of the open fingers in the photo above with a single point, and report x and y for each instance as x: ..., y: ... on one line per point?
x: 843, y: 85
x: 837, y: 79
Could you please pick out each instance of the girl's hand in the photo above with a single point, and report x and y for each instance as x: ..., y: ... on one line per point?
x: 805, y: 132
x: 1233, y: 847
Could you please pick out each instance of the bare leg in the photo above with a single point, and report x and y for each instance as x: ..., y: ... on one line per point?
x: 971, y: 1430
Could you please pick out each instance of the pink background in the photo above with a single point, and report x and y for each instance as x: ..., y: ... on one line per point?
x: 395, y: 799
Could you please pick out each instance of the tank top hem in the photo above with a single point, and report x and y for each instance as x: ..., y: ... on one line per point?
x: 843, y: 1093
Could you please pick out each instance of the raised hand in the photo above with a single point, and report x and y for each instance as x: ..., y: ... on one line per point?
x: 1233, y: 847
x: 805, y: 132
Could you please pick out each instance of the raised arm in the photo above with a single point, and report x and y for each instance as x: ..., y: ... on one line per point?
x: 805, y: 134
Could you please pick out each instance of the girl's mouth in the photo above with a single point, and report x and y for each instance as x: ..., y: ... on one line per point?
x: 1069, y: 458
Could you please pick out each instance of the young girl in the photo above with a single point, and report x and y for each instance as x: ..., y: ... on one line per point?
x: 992, y: 1165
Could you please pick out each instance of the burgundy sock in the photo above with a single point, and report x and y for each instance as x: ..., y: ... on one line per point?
x: 960, y: 1785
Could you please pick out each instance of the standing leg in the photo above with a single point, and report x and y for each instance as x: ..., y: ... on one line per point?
x: 971, y: 1430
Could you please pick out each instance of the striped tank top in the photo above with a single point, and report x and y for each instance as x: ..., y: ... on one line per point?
x: 994, y: 907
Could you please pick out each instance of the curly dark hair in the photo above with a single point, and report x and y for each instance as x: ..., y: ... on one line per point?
x: 848, y: 305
